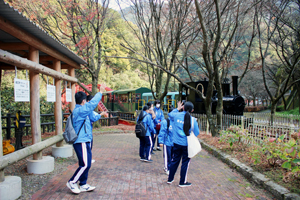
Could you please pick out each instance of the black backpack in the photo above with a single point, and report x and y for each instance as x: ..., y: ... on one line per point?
x: 140, y: 128
x: 168, y: 124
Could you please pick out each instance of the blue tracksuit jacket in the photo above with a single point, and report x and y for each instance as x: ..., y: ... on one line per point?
x: 166, y: 137
x: 159, y: 115
x: 179, y: 136
x: 85, y: 112
x: 148, y: 122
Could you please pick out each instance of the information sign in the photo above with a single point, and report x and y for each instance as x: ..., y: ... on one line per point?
x: 68, y: 95
x: 51, y: 97
x: 21, y: 90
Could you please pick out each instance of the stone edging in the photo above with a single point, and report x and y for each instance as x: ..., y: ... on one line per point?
x: 278, y: 191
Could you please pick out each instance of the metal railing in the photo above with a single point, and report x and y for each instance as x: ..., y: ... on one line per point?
x: 256, y: 126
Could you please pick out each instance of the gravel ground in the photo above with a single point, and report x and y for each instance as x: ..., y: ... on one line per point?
x: 31, y: 183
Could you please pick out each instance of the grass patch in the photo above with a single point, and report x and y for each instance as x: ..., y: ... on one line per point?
x: 290, y: 112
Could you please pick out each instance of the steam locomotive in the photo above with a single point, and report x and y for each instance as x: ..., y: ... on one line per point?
x: 232, y: 104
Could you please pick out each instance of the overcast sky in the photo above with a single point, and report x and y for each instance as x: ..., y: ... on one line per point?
x: 114, y: 5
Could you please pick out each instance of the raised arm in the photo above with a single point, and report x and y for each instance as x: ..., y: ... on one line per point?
x: 88, y: 107
x: 196, y: 127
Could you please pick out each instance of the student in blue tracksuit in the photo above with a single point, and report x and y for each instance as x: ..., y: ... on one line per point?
x: 165, y: 139
x: 181, y: 129
x: 82, y: 146
x: 94, y: 116
x: 146, y: 142
x: 151, y: 112
x: 157, y: 121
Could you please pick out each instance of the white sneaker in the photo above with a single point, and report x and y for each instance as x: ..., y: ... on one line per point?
x: 93, y: 161
x: 168, y: 172
x: 86, y: 188
x: 73, y: 187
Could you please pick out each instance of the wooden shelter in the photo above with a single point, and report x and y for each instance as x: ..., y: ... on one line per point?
x: 24, y: 45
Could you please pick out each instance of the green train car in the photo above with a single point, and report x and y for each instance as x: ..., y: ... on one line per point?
x: 128, y: 100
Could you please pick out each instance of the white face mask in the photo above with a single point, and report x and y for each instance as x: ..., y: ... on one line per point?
x: 157, y: 105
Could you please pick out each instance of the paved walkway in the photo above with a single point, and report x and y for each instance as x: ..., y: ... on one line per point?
x: 119, y: 174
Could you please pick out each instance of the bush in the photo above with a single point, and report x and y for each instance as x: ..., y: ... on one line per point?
x: 275, y: 152
x: 279, y: 108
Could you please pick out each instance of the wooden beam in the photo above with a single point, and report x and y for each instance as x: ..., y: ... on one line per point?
x: 27, y: 151
x: 14, y: 60
x: 19, y: 33
x: 46, y: 58
x: 57, y: 104
x: 7, y: 67
x: 35, y: 116
x: 22, y: 53
x: 11, y: 46
x: 2, y: 176
x: 63, y: 66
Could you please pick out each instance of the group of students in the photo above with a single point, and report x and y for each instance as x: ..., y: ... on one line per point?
x: 172, y: 134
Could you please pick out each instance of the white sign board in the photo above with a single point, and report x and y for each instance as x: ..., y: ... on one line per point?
x: 68, y: 95
x: 22, y: 90
x: 51, y: 97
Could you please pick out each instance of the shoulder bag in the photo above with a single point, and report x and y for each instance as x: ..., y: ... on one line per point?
x: 194, y: 146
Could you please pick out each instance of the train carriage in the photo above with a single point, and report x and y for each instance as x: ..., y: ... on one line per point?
x: 170, y: 99
x: 128, y: 100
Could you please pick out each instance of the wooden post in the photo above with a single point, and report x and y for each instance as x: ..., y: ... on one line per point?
x: 72, y: 74
x: 35, y: 103
x: 2, y: 177
x: 57, y: 104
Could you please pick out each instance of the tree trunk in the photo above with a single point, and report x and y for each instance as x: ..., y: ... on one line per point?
x: 212, y: 124
x: 298, y: 90
x: 219, y: 109
x: 94, y: 84
x: 158, y: 84
x: 273, y: 111
x: 284, y: 102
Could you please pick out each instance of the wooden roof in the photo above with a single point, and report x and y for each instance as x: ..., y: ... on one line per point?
x: 17, y: 33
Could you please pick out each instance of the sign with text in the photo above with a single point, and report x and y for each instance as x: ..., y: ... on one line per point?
x: 68, y: 95
x: 51, y: 97
x: 22, y: 90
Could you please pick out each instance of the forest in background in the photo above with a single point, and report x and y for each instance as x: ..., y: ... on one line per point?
x: 108, y: 52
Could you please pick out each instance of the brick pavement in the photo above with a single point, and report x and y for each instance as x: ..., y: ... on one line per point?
x: 119, y: 174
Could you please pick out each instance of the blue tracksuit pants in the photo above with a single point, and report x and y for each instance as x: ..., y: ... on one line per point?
x: 84, y: 155
x: 154, y: 139
x: 179, y: 152
x: 167, y: 157
x: 145, y: 147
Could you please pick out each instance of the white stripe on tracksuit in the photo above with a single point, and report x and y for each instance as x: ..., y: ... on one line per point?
x: 149, y: 157
x: 187, y: 171
x: 165, y: 157
x: 84, y: 157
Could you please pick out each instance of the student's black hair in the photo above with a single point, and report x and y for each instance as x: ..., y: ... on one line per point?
x: 79, y: 97
x: 149, y: 104
x: 171, y: 108
x: 188, y: 107
x: 157, y: 101
x: 142, y: 113
x: 89, y: 97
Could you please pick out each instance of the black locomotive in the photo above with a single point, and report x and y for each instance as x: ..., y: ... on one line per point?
x: 232, y: 104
